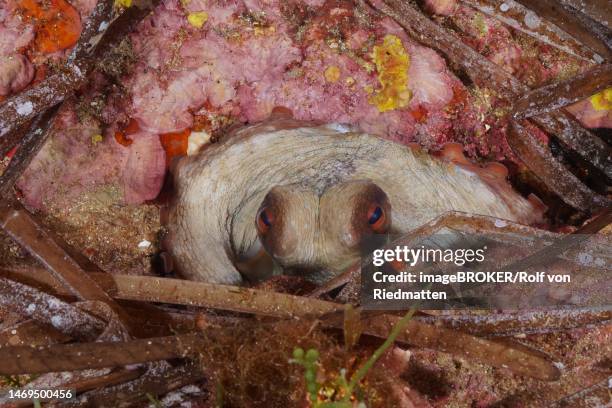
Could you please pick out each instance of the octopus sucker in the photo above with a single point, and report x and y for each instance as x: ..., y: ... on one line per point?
x: 306, y: 195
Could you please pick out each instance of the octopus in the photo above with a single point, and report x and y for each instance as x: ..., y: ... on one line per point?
x: 292, y: 197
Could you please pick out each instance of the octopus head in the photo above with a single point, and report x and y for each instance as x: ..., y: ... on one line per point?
x: 319, y: 235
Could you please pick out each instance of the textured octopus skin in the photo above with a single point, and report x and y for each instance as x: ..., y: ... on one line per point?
x: 211, y: 222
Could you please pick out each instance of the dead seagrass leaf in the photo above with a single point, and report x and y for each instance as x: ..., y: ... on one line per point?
x: 570, y: 21
x: 352, y: 326
x: 32, y: 333
x: 66, y: 318
x: 80, y: 356
x: 551, y: 25
x: 557, y: 177
x: 159, y: 379
x: 40, y: 243
x: 561, y: 94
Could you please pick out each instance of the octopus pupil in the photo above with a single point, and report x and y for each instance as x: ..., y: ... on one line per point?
x: 265, y: 219
x: 376, y: 214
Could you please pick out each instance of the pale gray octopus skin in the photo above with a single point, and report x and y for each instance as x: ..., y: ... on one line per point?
x: 316, y: 184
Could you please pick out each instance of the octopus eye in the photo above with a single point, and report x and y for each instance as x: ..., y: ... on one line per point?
x: 376, y: 219
x: 264, y: 220
x: 375, y: 215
